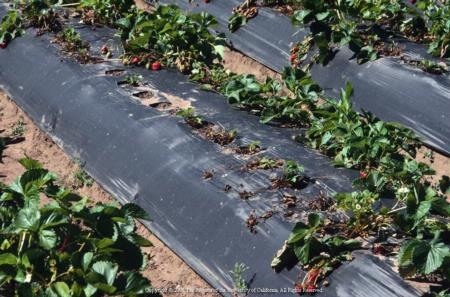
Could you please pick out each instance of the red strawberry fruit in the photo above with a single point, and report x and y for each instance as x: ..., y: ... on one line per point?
x: 206, y: 1
x: 293, y: 57
x: 363, y: 174
x: 3, y: 45
x: 378, y: 249
x: 311, y: 288
x: 104, y: 50
x: 156, y: 65
x: 64, y: 245
x: 135, y: 60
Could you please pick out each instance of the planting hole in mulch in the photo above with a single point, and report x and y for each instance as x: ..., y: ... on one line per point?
x: 252, y: 222
x: 115, y: 72
x: 280, y: 182
x: 143, y: 95
x: 289, y: 200
x: 161, y: 105
x: 245, y: 195
x: 322, y: 202
x: 263, y: 163
x: 250, y: 149
x: 211, y: 131
x: 218, y: 135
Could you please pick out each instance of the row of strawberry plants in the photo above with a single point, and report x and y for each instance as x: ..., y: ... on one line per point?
x: 383, y: 152
x: 54, y: 242
x: 365, y: 26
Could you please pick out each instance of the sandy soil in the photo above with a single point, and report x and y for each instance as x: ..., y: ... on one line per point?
x: 440, y: 163
x: 165, y: 270
x: 241, y: 64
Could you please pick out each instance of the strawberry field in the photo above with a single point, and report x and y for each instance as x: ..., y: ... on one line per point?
x: 324, y: 174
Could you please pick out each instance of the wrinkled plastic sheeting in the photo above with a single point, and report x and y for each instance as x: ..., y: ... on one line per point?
x: 389, y: 89
x: 144, y: 156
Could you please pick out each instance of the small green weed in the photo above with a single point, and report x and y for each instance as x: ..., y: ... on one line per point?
x: 82, y: 178
x: 240, y: 284
x: 19, y: 128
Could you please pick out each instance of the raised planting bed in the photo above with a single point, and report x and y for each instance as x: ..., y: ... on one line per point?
x: 387, y: 87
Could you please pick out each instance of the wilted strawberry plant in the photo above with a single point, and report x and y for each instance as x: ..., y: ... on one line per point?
x: 55, y: 243
x: 41, y: 15
x: 317, y: 250
x: 104, y: 11
x: 241, y: 13
x: 71, y: 43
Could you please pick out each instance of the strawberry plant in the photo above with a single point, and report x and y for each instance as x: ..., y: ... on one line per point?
x: 62, y: 246
x: 178, y: 39
x: 211, y: 77
x: 10, y: 28
x: 264, y: 163
x: 38, y: 14
x: 236, y: 21
x: 421, y: 256
x: 191, y: 118
x: 71, y: 39
x: 219, y: 135
x: 241, y: 14
x: 361, y: 204
x: 133, y: 80
x: 433, y: 67
x: 253, y: 147
x: 41, y: 15
x: 82, y: 178
x: 356, y: 140
x: 314, y: 249
x: 267, y: 100
x: 268, y: 163
x: 292, y: 172
x: 437, y: 14
x: 104, y: 11
x: 19, y: 128
x: 74, y: 46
